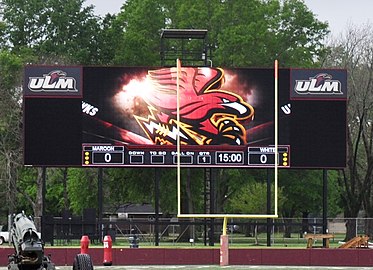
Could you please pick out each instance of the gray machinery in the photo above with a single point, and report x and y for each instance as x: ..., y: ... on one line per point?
x: 28, y: 246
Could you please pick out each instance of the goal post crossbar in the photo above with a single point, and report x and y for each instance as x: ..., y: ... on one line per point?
x: 227, y: 216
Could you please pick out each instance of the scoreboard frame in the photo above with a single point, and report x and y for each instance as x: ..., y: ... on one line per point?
x: 68, y: 119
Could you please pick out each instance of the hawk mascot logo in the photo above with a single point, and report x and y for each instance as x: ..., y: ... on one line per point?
x: 208, y: 115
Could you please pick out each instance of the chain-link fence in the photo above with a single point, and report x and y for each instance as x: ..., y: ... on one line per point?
x: 172, y: 231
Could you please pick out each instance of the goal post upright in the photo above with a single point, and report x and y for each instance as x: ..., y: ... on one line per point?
x: 276, y: 137
x: 178, y: 67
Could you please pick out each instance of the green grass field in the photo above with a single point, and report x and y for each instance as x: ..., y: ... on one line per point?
x: 235, y: 241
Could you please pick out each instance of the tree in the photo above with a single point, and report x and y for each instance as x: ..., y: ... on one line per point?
x: 82, y: 189
x: 108, y: 40
x: 38, y: 32
x: 67, y: 35
x: 256, y: 31
x: 137, y: 186
x: 253, y: 33
x: 10, y: 127
x: 57, y: 197
x: 72, y: 30
x: 251, y: 199
x: 353, y: 51
x: 142, y: 21
x: 302, y: 191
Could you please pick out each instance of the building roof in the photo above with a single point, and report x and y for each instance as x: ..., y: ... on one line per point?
x: 184, y: 33
x: 136, y: 208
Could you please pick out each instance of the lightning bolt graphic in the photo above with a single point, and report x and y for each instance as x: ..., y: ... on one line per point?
x: 160, y: 129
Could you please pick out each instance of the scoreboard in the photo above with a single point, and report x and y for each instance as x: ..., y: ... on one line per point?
x: 108, y: 155
x: 84, y: 116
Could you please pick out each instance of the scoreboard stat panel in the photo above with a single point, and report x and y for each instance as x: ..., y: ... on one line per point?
x: 117, y: 156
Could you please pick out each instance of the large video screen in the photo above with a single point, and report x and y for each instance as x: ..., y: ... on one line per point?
x: 136, y: 117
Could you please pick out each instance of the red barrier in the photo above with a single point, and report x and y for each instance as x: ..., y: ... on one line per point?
x: 108, y: 253
x: 84, y: 244
x: 210, y: 256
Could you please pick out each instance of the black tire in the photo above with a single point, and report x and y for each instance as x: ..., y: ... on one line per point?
x: 13, y: 266
x: 83, y: 262
x: 1, y: 240
x: 47, y: 264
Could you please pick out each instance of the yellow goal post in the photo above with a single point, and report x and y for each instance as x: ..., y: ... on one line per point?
x: 226, y: 216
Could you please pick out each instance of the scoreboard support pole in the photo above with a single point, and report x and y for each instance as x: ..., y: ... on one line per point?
x: 325, y: 205
x: 212, y: 206
x: 156, y: 205
x: 100, y: 202
x: 44, y: 190
x: 269, y: 221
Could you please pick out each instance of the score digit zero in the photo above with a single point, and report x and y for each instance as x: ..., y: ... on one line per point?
x: 103, y: 154
x: 265, y: 156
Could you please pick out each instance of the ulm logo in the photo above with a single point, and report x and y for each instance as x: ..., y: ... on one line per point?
x: 322, y: 83
x: 54, y: 81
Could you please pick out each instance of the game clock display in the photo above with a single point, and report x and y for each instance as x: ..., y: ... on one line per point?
x: 229, y: 157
